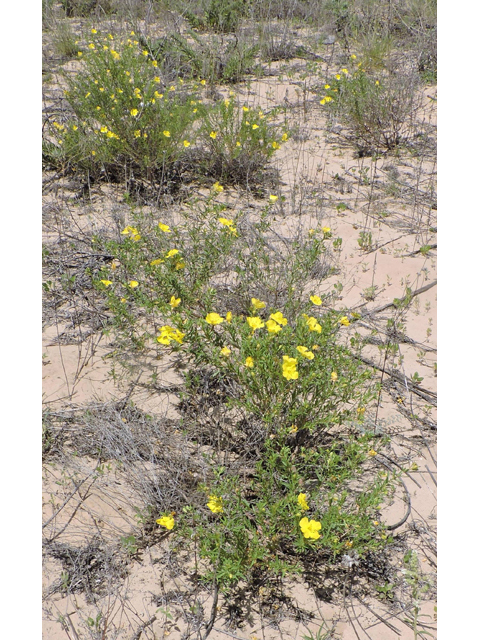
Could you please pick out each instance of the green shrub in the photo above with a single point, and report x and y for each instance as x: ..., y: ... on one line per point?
x: 126, y: 120
x: 83, y: 8
x: 240, y: 139
x: 218, y: 15
x: 214, y: 60
x: 291, y: 509
x: 379, y: 110
x: 128, y: 123
x: 289, y: 384
x: 64, y: 40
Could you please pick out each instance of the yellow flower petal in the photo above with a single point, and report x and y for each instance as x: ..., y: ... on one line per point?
x: 214, y: 319
x: 166, y: 521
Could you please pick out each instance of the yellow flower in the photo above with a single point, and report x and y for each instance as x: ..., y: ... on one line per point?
x: 203, y: 82
x: 154, y: 263
x: 328, y: 99
x: 94, y: 153
x: 345, y: 71
x: 217, y: 187
x: 171, y: 253
x: 167, y: 334
x: 225, y: 351
x: 327, y: 86
x: 249, y: 362
x: 137, y: 133
x: 372, y: 453
x: 302, y: 501
x: 273, y: 198
x: 179, y: 265
x: 290, y: 368
x: 172, y: 88
x: 164, y: 227
x: 305, y: 352
x: 338, y: 76
x: 278, y: 317
x: 377, y: 82
x: 322, y: 101
x: 254, y: 126
x: 238, y: 144
x: 174, y: 302
x: 229, y: 316
x: 186, y: 143
x: 115, y: 55
x: 225, y: 221
x: 316, y: 300
x: 166, y: 521
x: 106, y: 283
x: 284, y: 137
x: 361, y: 410
x: 293, y: 428
x: 353, y: 56
x: 215, y: 504
x: 213, y: 135
x: 310, y: 528
x: 258, y: 304
x: 213, y: 319
x: 313, y: 324
x: 91, y: 46
x: 132, y: 284
x: 255, y: 323
x: 134, y: 112
x: 94, y: 31
x: 275, y: 145
x: 273, y: 327
x: 345, y: 321
x: 376, y: 523
x: 334, y: 376
x: 166, y: 134
x: 326, y: 229
x: 123, y: 299
x: 75, y: 127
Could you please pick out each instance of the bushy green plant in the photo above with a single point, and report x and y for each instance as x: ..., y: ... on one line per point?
x: 125, y: 118
x: 218, y: 15
x: 82, y: 8
x: 204, y: 260
x: 241, y: 140
x: 378, y: 110
x: 291, y: 506
x: 128, y: 122
x: 64, y: 40
x: 285, y: 370
x: 291, y: 384
x: 214, y: 60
